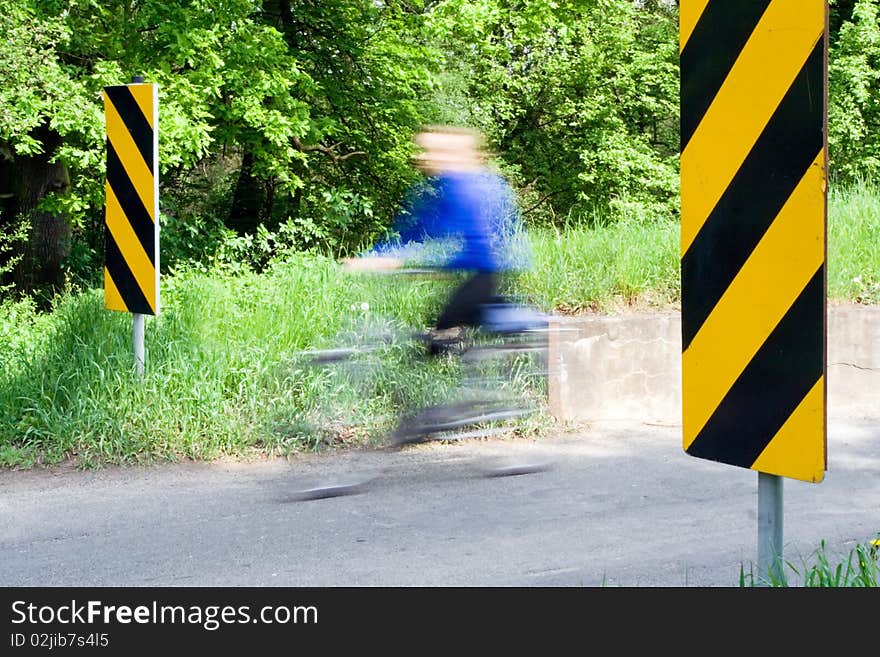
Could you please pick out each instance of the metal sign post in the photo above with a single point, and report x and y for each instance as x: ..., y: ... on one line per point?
x: 770, y: 528
x: 137, y: 332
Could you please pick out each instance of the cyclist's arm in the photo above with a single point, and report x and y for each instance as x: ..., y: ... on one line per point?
x: 371, y: 263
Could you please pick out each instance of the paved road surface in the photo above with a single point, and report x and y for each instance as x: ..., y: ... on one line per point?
x: 619, y: 505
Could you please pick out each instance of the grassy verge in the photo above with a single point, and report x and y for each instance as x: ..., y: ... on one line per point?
x: 637, y: 264
x: 222, y: 376
x: 607, y: 268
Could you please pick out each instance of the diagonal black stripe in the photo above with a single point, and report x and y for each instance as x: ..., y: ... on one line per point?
x: 134, y: 119
x: 131, y: 203
x: 712, y: 49
x: 777, y: 379
x: 125, y: 282
x: 774, y: 167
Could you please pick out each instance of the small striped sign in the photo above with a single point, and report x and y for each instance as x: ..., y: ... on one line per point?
x: 753, y: 225
x: 131, y: 270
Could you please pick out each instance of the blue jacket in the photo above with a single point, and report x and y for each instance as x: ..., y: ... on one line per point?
x: 462, y: 221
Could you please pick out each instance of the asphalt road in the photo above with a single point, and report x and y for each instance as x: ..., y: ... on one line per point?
x: 614, y: 505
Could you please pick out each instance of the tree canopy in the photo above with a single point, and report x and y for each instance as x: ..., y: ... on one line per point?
x: 292, y: 119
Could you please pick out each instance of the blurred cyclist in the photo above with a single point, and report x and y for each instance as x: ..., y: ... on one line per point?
x: 465, y: 219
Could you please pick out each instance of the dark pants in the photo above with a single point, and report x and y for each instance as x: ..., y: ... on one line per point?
x: 464, y: 306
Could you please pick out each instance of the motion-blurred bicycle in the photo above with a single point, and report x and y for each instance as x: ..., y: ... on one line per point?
x: 485, y: 381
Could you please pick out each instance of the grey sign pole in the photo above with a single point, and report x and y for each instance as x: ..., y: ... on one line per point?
x: 769, y: 529
x: 138, y: 338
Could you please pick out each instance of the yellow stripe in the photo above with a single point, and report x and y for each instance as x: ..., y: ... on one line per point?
x: 143, y: 94
x: 136, y: 169
x: 131, y: 248
x: 769, y: 63
x: 689, y: 13
x: 776, y: 272
x: 112, y: 298
x: 798, y: 448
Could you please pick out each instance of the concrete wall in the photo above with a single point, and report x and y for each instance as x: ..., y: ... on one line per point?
x: 629, y: 366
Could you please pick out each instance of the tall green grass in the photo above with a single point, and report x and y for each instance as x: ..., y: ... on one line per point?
x: 636, y: 263
x: 222, y: 374
x: 859, y: 568
x: 854, y: 243
x: 605, y: 268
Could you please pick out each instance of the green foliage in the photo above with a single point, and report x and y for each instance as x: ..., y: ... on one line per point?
x: 321, y: 98
x: 579, y: 101
x: 34, y: 89
x: 11, y: 239
x: 371, y: 70
x: 854, y: 87
x: 339, y: 223
x: 192, y: 218
x: 581, y: 98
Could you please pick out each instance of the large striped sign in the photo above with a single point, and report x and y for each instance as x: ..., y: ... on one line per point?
x: 753, y: 209
x: 131, y: 271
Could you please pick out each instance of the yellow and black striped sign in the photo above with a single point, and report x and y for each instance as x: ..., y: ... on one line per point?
x: 131, y: 271
x: 753, y: 218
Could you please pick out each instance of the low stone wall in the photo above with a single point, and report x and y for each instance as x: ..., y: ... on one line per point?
x: 628, y: 366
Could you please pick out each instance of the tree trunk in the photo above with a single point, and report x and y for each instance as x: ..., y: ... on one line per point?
x: 248, y: 201
x: 29, y: 180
